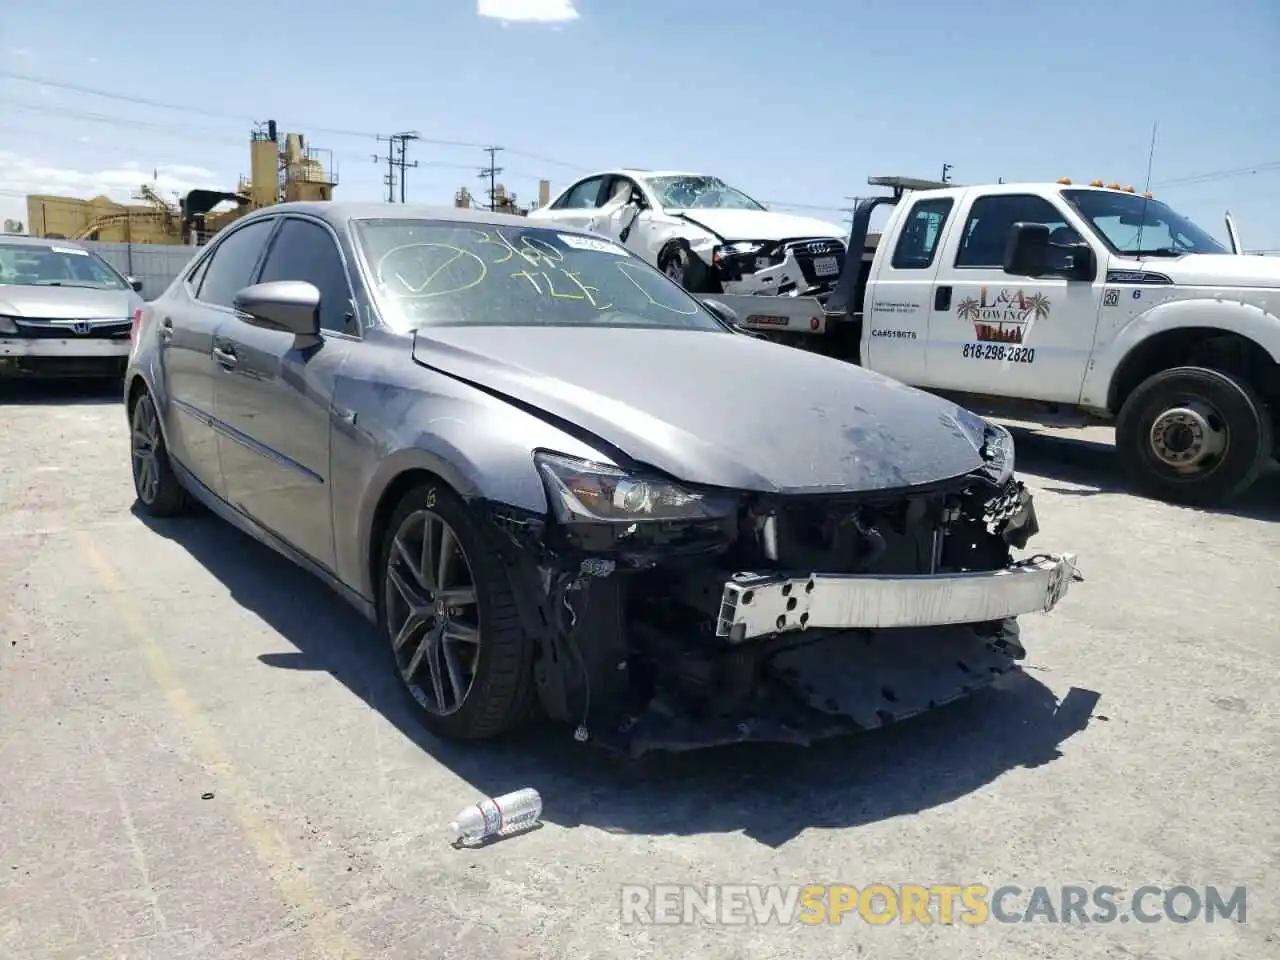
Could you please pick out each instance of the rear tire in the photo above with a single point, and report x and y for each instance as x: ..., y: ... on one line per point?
x: 158, y: 490
x: 467, y: 625
x: 1193, y: 436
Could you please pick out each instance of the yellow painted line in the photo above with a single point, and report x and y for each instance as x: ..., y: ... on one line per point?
x: 301, y: 897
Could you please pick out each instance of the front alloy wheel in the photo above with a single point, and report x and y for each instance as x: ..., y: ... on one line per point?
x: 460, y: 646
x: 433, y: 608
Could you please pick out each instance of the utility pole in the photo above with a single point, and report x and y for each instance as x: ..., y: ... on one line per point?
x: 946, y: 173
x: 851, y: 210
x: 397, y: 148
x: 389, y: 178
x: 491, y: 174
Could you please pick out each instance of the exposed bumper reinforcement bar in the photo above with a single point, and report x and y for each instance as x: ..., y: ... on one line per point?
x: 756, y: 605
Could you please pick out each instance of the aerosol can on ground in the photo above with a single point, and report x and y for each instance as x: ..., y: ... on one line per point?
x: 497, y: 817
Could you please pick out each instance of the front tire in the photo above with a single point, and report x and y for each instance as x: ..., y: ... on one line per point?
x: 1193, y: 436
x: 683, y: 266
x: 156, y: 486
x: 448, y: 612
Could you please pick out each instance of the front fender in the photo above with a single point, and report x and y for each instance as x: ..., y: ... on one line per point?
x: 477, y: 443
x: 1248, y: 320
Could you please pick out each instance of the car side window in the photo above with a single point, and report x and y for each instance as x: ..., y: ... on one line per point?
x: 231, y: 266
x: 197, y: 275
x: 583, y: 196
x: 991, y: 218
x: 303, y: 250
x: 921, y: 231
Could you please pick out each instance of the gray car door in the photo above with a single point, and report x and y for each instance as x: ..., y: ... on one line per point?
x: 190, y: 314
x: 273, y: 401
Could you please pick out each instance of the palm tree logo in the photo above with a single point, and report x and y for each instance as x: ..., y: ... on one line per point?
x: 968, y: 309
x: 1035, y: 307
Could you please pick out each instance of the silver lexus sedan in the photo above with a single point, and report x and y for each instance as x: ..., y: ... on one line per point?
x: 561, y: 485
x: 64, y: 311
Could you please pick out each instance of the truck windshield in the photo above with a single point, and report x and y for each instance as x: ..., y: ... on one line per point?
x: 36, y: 265
x: 434, y: 272
x: 1137, y: 227
x: 700, y: 193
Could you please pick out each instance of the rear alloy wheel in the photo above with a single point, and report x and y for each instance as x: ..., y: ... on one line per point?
x: 1193, y: 435
x: 157, y: 488
x: 448, y: 612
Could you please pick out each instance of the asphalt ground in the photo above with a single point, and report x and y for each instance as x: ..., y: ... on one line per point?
x: 203, y: 753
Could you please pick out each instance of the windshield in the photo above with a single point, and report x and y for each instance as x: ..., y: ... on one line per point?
x: 1138, y: 227
x: 34, y: 265
x: 431, y: 272
x: 699, y: 193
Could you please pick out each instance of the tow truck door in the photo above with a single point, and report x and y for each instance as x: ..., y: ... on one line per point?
x: 896, y: 313
x: 997, y: 334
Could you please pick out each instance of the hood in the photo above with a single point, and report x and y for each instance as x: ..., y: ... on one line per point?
x: 1217, y: 270
x: 718, y: 409
x: 762, y: 224
x: 67, y: 303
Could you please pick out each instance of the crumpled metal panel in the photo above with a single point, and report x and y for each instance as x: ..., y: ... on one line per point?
x: 877, y: 677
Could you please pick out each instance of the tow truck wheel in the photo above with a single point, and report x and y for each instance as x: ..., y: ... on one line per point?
x: 682, y: 266
x: 1193, y: 436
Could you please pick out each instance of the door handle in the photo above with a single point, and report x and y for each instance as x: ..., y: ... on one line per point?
x: 225, y: 356
x: 166, y: 329
x: 942, y: 299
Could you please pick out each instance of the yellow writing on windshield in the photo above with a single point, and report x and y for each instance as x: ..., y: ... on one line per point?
x: 426, y: 269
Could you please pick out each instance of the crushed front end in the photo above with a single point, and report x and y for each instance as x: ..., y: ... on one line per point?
x: 804, y: 267
x: 673, y: 618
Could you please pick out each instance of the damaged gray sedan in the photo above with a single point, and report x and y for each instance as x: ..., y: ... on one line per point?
x: 560, y: 484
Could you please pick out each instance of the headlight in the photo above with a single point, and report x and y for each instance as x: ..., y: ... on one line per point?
x: 7, y: 325
x: 997, y: 451
x: 580, y: 490
x: 741, y: 248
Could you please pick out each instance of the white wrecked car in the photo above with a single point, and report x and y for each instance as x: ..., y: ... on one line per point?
x: 704, y: 234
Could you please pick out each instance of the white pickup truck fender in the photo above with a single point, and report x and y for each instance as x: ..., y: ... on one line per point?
x: 1223, y: 310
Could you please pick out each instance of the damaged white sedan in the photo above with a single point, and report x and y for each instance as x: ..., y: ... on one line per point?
x: 704, y: 234
x: 559, y: 483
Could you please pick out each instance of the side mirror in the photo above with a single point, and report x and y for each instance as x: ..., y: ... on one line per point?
x: 724, y: 313
x: 1084, y: 263
x: 291, y: 306
x: 135, y: 283
x: 1026, y: 253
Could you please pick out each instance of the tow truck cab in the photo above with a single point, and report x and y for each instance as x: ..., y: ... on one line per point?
x: 1058, y: 301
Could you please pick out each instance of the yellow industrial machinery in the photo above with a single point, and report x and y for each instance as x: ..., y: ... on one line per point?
x: 278, y: 172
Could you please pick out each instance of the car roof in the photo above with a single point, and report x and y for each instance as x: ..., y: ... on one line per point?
x: 25, y: 240
x: 338, y: 213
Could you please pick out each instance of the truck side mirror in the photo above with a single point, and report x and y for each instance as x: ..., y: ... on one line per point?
x: 1026, y: 253
x: 1084, y: 263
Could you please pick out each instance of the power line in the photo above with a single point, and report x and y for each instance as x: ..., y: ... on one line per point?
x: 1215, y: 175
x: 245, y: 118
x: 491, y: 172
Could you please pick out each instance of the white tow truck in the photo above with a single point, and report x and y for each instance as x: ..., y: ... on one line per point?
x: 1060, y: 304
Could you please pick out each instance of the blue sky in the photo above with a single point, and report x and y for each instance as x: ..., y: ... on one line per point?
x: 796, y: 103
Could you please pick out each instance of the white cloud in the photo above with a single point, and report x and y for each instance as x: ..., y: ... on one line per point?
x: 21, y: 175
x: 528, y: 11
x: 21, y: 52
